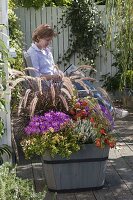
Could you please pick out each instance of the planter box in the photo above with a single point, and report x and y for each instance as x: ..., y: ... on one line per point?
x: 83, y: 171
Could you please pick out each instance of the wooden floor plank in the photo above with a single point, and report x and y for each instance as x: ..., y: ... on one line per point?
x: 51, y: 196
x: 117, y: 185
x: 104, y: 194
x: 122, y: 168
x: 85, y: 196
x: 66, y: 196
x: 126, y: 152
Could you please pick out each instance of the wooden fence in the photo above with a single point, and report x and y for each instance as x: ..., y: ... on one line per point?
x: 31, y: 18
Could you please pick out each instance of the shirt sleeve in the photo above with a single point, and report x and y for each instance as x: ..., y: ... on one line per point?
x: 35, y: 63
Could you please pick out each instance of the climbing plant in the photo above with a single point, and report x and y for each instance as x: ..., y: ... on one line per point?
x: 16, y: 36
x: 120, y: 42
x: 86, y: 28
x: 4, y: 149
x: 39, y: 3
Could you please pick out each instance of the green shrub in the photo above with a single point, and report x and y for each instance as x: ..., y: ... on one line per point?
x: 39, y: 3
x: 14, y: 188
x: 16, y: 37
x: 87, y: 34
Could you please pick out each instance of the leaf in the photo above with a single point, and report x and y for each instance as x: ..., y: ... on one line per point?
x: 83, y: 85
x: 14, y: 72
x: 105, y: 95
x: 33, y: 105
x: 64, y: 101
x: 52, y: 94
x: 69, y: 87
x: 30, y: 68
x: 66, y: 92
x: 88, y: 78
x: 5, y: 149
x: 39, y: 83
x: 20, y: 105
x: 14, y: 83
x: 26, y: 97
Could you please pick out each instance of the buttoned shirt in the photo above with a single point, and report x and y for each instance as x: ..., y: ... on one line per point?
x: 42, y: 60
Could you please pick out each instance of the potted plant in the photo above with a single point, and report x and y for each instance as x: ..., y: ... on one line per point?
x: 71, y: 134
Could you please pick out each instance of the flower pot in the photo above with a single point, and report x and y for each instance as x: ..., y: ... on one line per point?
x: 84, y: 170
x: 127, y: 98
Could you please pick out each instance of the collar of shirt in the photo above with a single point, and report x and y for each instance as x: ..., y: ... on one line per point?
x: 44, y: 51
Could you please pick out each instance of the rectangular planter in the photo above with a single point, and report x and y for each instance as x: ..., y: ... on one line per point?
x: 84, y: 170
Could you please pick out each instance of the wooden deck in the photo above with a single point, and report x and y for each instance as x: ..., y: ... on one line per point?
x: 119, y: 173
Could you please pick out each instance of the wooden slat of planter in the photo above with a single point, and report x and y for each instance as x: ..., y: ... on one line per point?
x: 39, y: 180
x: 77, y: 173
x: 25, y: 171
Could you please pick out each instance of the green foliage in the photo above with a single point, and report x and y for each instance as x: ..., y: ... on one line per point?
x: 14, y: 188
x: 120, y: 41
x: 3, y: 51
x: 16, y: 37
x: 114, y: 83
x: 1, y: 127
x: 4, y: 149
x: 16, y: 42
x: 39, y: 3
x: 63, y: 143
x: 87, y: 30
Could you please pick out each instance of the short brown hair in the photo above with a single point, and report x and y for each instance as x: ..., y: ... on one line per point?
x: 43, y: 31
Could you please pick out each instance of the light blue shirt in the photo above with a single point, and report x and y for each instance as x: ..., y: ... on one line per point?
x: 42, y: 60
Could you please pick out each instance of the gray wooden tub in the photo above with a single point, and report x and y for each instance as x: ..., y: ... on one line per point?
x: 84, y: 170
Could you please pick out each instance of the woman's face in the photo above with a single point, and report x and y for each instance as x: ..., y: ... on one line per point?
x: 44, y: 42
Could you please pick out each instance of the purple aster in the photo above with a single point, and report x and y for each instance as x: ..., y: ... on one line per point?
x: 50, y: 120
x: 108, y: 115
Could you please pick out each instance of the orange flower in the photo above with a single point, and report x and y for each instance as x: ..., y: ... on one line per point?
x: 106, y: 141
x: 72, y: 112
x: 112, y: 144
x: 83, y: 112
x: 75, y: 117
x: 98, y: 142
x: 77, y: 105
x: 84, y: 103
x: 102, y: 131
x: 92, y: 120
x: 79, y: 114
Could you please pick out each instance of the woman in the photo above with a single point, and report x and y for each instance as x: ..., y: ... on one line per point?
x: 41, y: 56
